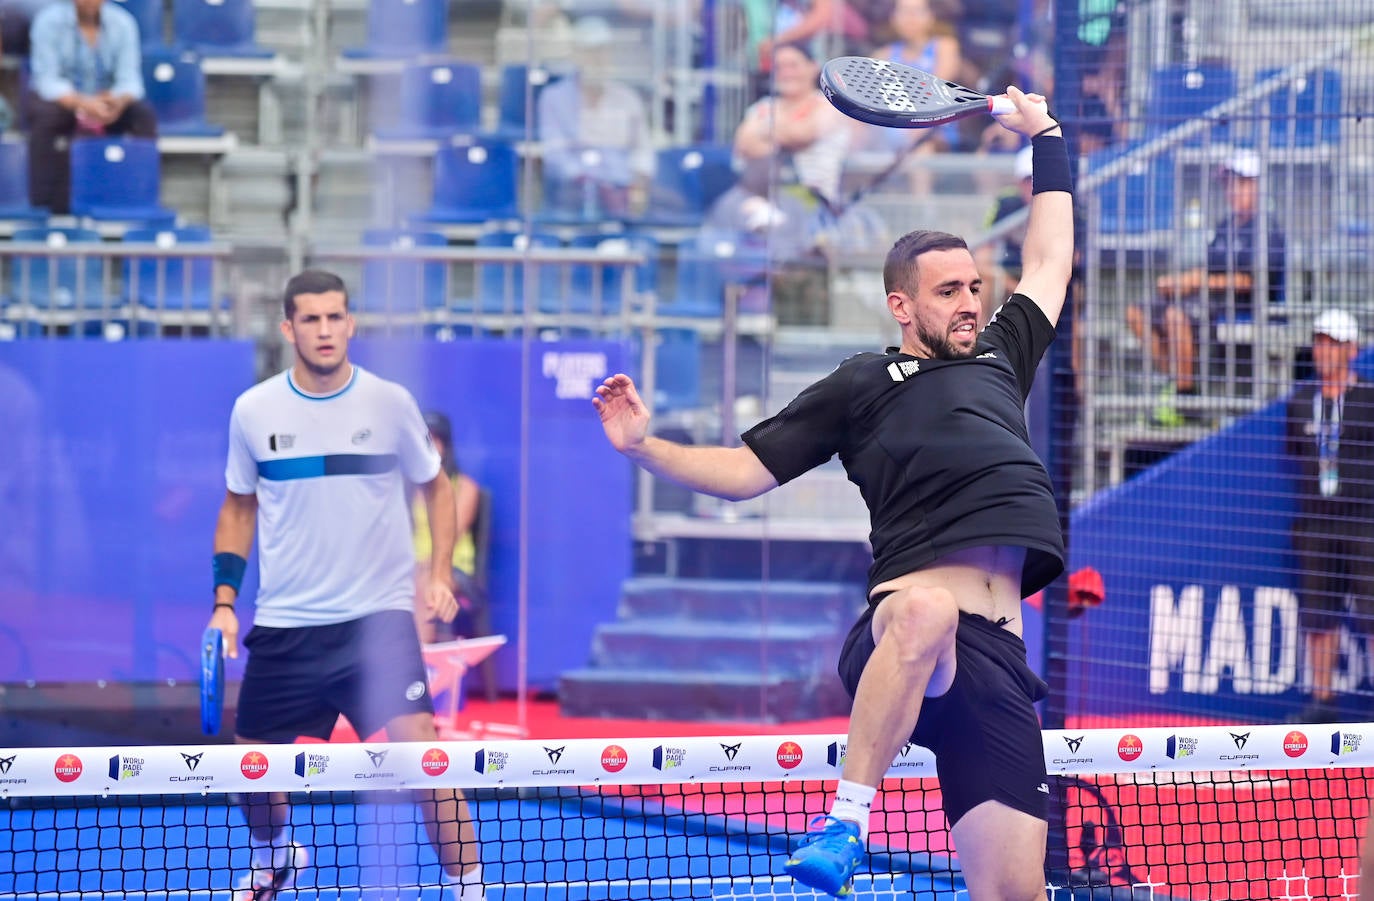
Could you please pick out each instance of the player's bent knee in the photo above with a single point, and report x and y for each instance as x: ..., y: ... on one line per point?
x: 919, y: 619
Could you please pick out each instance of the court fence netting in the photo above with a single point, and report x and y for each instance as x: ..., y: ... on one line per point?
x: 1217, y: 812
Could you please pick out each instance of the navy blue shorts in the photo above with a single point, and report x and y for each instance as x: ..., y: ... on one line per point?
x: 298, y: 680
x: 984, y: 731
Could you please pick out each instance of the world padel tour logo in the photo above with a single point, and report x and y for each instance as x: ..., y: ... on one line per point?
x: 308, y: 764
x: 434, y: 762
x: 253, y: 765
x: 1180, y: 746
x: 67, y: 768
x: 1129, y: 747
x: 835, y: 754
x: 1295, y: 744
x: 614, y: 759
x: 1346, y: 742
x: 666, y: 758
x: 789, y: 755
x: 125, y: 767
x: 488, y: 762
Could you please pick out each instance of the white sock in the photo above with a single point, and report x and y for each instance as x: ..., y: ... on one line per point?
x: 853, y: 803
x: 467, y: 887
x: 272, y: 854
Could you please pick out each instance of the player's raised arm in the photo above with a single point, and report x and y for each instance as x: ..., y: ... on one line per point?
x: 732, y: 473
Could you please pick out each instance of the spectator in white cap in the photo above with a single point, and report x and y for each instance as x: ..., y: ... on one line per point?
x: 1331, y: 445
x: 1245, y: 253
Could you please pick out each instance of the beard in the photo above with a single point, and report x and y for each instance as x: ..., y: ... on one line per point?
x: 941, y: 347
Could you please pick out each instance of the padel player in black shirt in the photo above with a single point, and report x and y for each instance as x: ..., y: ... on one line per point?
x: 964, y: 526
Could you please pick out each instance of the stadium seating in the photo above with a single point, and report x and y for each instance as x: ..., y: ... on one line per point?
x: 175, y: 87
x: 148, y: 15
x: 501, y: 286
x: 403, y: 29
x: 1138, y: 200
x: 1181, y: 93
x: 594, y: 288
x: 474, y: 182
x: 48, y: 283
x: 1307, y: 112
x: 687, y: 180
x: 118, y: 180
x: 171, y: 284
x: 512, y: 109
x: 14, y: 186
x: 438, y: 100
x: 400, y: 288
x: 218, y: 27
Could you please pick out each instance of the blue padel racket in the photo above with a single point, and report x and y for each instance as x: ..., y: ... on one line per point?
x: 211, y: 681
x: 885, y: 93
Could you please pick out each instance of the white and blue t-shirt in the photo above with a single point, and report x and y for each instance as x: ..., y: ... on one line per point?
x: 330, y: 474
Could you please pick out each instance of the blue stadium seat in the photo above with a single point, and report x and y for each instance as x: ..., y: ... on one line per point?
x: 677, y: 369
x: 148, y: 15
x: 1306, y: 113
x: 474, y: 182
x: 602, y: 291
x: 118, y: 180
x: 57, y: 283
x: 175, y: 283
x: 438, y: 101
x: 175, y: 86
x: 404, y: 287
x: 516, y: 78
x: 218, y: 28
x: 687, y: 180
x: 1139, y: 200
x: 703, y: 273
x: 1182, y: 93
x: 14, y: 185
x: 403, y: 29
x: 501, y: 286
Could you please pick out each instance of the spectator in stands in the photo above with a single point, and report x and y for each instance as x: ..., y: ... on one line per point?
x: 825, y: 28
x: 1331, y: 442
x: 87, y: 80
x: 598, y: 152
x: 465, y: 498
x: 790, y: 148
x: 1196, y: 298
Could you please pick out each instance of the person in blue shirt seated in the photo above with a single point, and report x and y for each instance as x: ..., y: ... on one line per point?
x: 87, y: 81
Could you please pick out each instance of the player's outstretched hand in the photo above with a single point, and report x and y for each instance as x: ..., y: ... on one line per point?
x: 439, y: 598
x: 227, y: 621
x: 623, y: 414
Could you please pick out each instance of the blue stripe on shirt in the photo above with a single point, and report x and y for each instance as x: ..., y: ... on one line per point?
x: 326, y: 465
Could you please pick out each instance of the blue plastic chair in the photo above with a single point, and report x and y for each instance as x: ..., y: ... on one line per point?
x: 403, y: 29
x: 14, y: 185
x: 501, y: 286
x: 218, y: 28
x: 601, y: 288
x: 438, y: 101
x: 1306, y: 113
x: 57, y: 283
x: 516, y: 79
x: 1182, y: 93
x: 474, y: 182
x: 118, y: 180
x: 687, y: 180
x: 402, y: 286
x: 1138, y: 200
x: 174, y: 84
x: 148, y: 15
x: 173, y: 283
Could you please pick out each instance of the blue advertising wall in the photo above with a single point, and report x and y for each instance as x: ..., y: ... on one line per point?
x: 114, y: 472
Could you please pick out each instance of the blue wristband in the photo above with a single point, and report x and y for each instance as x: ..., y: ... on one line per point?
x: 1050, y: 169
x: 229, y: 569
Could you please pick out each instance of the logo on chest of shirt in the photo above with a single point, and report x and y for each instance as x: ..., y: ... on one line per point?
x: 280, y: 442
x: 900, y: 370
x: 361, y: 436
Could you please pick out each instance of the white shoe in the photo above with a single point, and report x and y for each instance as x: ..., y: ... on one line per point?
x: 263, y: 885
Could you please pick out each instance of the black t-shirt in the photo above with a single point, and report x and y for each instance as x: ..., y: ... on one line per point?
x: 938, y: 448
x: 1351, y: 423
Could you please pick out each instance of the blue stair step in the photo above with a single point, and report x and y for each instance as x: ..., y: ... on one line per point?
x: 685, y: 645
x: 698, y: 696
x: 730, y: 600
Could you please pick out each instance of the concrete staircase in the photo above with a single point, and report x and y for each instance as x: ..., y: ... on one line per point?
x: 717, y: 649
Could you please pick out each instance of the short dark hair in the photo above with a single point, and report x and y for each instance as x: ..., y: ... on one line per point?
x: 311, y: 281
x: 899, y: 271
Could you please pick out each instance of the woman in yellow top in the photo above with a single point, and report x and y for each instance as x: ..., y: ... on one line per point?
x: 465, y: 495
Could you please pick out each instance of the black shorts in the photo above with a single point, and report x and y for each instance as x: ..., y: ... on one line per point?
x: 984, y: 731
x: 1335, y: 560
x: 298, y: 680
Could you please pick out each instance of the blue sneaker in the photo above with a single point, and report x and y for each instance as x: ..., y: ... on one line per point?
x: 827, y: 858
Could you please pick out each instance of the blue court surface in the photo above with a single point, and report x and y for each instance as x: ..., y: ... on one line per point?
x: 581, y: 847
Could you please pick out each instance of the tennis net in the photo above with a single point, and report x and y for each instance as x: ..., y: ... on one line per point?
x: 1238, y: 812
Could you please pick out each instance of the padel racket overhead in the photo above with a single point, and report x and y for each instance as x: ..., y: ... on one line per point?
x: 211, y: 681
x: 880, y: 92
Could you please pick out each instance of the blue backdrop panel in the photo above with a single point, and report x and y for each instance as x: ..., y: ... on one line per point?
x: 1200, y: 612
x: 579, y: 490
x: 113, y: 475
